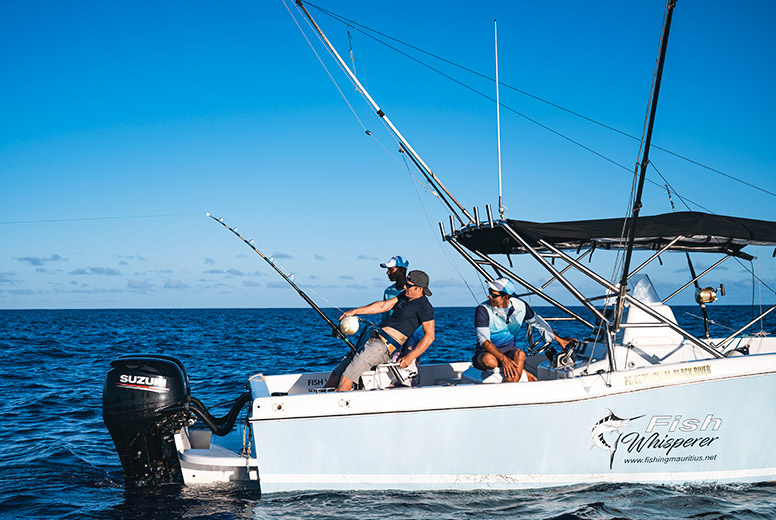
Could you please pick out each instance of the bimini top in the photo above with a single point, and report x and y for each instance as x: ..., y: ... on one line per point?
x: 699, y: 232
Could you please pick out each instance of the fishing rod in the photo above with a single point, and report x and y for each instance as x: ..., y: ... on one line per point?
x: 337, y: 332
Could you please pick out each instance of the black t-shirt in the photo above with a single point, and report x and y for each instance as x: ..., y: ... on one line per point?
x: 409, y: 314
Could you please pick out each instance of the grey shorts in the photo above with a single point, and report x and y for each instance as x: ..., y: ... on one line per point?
x: 374, y: 353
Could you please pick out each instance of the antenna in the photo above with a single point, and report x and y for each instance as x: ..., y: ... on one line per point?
x: 501, y: 209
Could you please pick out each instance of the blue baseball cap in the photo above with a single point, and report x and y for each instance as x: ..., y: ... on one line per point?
x: 396, y: 261
x: 503, y: 285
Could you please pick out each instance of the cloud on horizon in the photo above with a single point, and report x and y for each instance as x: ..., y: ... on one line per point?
x: 107, y: 271
x: 8, y: 277
x: 39, y: 261
x: 174, y: 284
x: 139, y: 285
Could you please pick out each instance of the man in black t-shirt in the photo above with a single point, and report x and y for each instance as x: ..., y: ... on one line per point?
x: 411, y: 309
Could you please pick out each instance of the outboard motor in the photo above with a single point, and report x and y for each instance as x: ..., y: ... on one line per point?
x: 145, y: 400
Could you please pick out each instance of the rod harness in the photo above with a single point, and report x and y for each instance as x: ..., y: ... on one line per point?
x: 335, y: 329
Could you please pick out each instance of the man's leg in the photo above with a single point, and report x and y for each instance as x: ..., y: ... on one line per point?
x: 345, y: 384
x: 336, y: 374
x: 373, y: 353
x: 518, y: 356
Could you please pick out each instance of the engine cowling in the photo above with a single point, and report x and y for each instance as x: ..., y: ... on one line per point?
x: 146, y: 400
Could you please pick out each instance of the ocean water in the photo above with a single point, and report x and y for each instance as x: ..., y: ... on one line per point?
x: 57, y: 459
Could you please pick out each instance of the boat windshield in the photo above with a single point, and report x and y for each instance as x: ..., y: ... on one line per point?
x: 643, y: 290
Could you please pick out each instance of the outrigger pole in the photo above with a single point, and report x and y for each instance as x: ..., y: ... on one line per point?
x: 335, y: 329
x: 433, y: 179
x: 644, y: 163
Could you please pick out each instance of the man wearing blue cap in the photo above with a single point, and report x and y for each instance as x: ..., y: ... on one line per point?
x: 498, y: 320
x: 397, y: 273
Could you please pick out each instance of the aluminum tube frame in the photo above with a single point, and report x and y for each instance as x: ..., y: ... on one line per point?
x: 463, y: 253
x: 580, y: 257
x: 551, y: 269
x: 653, y: 257
x: 572, y: 315
x: 685, y: 286
x: 730, y: 338
x: 534, y: 290
x: 646, y: 308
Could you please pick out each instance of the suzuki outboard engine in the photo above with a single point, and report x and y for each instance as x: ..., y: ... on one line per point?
x: 145, y: 400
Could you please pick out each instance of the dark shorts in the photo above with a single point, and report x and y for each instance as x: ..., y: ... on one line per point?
x: 476, y: 359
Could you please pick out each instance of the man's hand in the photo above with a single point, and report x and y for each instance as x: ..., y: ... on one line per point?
x: 564, y: 341
x: 508, y: 366
x: 347, y: 313
x: 404, y: 362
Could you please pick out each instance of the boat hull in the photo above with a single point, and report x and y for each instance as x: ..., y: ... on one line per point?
x: 705, y: 421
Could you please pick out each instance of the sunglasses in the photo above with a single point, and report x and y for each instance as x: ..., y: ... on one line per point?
x: 493, y: 294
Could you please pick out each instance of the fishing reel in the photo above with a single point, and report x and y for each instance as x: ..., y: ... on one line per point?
x: 349, y: 325
x: 708, y: 294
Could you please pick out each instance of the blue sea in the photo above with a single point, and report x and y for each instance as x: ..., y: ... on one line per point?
x: 58, y: 461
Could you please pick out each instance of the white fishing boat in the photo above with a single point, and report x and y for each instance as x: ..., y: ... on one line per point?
x: 638, y: 399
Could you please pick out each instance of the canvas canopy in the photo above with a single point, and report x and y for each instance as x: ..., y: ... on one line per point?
x: 699, y: 231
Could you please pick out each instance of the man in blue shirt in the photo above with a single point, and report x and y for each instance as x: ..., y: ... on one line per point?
x: 498, y: 321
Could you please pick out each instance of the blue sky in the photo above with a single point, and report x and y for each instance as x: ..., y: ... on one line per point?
x: 123, y: 124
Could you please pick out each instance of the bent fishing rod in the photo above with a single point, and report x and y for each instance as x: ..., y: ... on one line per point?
x: 337, y: 332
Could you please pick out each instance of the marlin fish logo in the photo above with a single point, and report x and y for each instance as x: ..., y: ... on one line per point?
x: 610, y: 423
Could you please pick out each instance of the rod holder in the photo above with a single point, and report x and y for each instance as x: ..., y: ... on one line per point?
x: 490, y: 215
x: 476, y: 217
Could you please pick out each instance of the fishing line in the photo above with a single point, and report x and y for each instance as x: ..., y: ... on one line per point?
x: 360, y: 122
x: 290, y: 279
x: 754, y: 276
x: 711, y: 322
x: 324, y: 67
x: 486, y: 96
x: 683, y: 199
x: 445, y: 250
x: 85, y: 219
x: 357, y: 26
